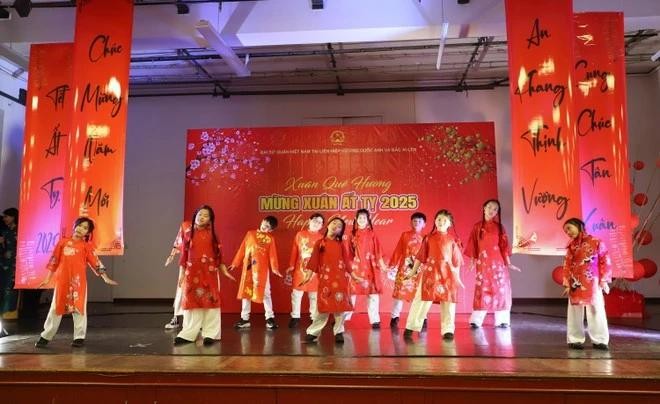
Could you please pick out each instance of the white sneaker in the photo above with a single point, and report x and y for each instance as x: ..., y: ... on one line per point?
x: 174, y: 323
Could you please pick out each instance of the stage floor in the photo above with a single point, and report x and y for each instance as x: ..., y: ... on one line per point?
x: 537, y: 331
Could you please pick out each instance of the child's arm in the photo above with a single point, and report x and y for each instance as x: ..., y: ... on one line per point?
x: 272, y: 252
x: 604, y: 268
x: 240, y: 254
x: 53, y: 263
x: 176, y: 245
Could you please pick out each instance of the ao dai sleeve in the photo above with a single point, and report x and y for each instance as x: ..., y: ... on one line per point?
x: 566, y: 272
x: 604, y: 263
x: 423, y: 253
x: 505, y: 247
x: 293, y: 260
x: 272, y: 251
x: 399, y: 252
x: 472, y: 247
x: 240, y: 254
x: 56, y: 256
x: 314, y: 260
x: 92, y: 259
x: 456, y: 256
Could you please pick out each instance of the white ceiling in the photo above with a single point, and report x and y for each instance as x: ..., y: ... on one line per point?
x: 349, y: 45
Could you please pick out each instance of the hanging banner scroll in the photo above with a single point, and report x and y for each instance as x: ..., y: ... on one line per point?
x: 95, y: 165
x: 47, y: 129
x: 601, y: 125
x: 544, y: 147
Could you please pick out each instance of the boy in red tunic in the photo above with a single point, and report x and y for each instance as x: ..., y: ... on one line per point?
x: 587, y: 271
x: 301, y: 250
x: 69, y: 263
x: 257, y: 256
x: 402, y: 262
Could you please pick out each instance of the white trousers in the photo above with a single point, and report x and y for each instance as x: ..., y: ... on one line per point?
x: 206, y: 319
x: 501, y: 317
x: 419, y: 309
x: 596, y: 322
x: 296, y: 300
x: 246, y: 304
x: 178, y: 311
x: 53, y: 320
x: 373, y: 309
x: 397, y: 306
x: 322, y: 319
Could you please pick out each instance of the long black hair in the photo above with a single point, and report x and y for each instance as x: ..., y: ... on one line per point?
x: 339, y: 237
x: 577, y: 223
x: 358, y: 213
x: 13, y: 212
x: 499, y: 218
x: 90, y: 226
x: 216, y: 249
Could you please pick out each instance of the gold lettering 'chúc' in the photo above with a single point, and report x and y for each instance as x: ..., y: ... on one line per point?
x: 277, y: 202
x: 320, y: 202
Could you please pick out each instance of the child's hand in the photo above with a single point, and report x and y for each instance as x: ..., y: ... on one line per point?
x: 226, y: 273
x: 43, y: 284
x: 278, y: 273
x: 169, y: 260
x: 108, y: 281
x: 513, y: 268
x: 566, y: 291
x: 605, y: 287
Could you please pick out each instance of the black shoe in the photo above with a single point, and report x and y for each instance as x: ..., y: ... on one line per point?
x: 375, y: 326
x: 576, y: 345
x: 474, y: 326
x: 78, y: 342
x: 271, y: 324
x: 394, y: 322
x: 602, y: 347
x: 181, y: 341
x: 293, y: 323
x: 242, y: 324
x: 503, y: 325
x: 425, y: 326
x: 407, y: 334
x: 310, y: 338
x: 209, y: 341
x: 448, y: 336
x: 339, y: 338
x: 42, y: 343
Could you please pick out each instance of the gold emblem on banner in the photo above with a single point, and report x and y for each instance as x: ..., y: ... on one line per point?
x: 337, y: 137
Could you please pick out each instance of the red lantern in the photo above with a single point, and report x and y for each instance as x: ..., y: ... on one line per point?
x: 644, y: 237
x: 558, y: 275
x: 638, y: 165
x: 634, y: 221
x: 638, y: 271
x: 641, y: 199
x: 650, y: 267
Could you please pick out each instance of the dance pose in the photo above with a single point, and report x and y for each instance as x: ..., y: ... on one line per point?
x: 489, y: 250
x: 199, y: 267
x: 402, y: 261
x: 300, y: 253
x: 587, y: 271
x: 330, y: 260
x: 441, y: 259
x: 69, y: 261
x: 367, y: 265
x: 257, y: 255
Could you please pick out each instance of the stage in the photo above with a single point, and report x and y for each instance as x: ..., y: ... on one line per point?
x: 130, y: 358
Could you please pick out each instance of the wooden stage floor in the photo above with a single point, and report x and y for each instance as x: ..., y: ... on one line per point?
x: 129, y: 357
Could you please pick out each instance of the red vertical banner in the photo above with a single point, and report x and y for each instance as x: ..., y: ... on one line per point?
x: 601, y: 125
x: 47, y: 128
x: 545, y: 171
x: 95, y: 164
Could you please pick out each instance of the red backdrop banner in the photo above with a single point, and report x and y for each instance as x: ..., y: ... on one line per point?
x: 545, y: 179
x: 292, y: 172
x: 601, y: 123
x: 95, y: 165
x: 47, y: 129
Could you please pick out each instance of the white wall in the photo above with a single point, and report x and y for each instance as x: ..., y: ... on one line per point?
x: 155, y: 165
x: 12, y: 123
